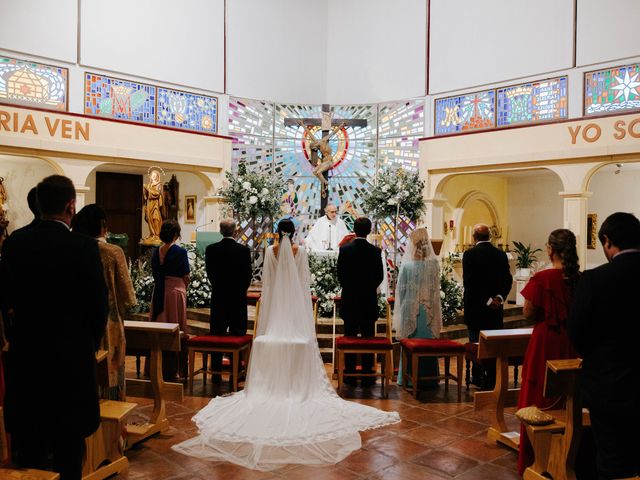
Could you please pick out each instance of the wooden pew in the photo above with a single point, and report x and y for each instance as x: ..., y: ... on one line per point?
x: 501, y: 344
x: 104, y: 449
x: 155, y: 337
x: 555, y: 445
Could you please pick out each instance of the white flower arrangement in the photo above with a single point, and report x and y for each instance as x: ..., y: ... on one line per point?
x: 396, y: 192
x: 451, y: 292
x: 252, y: 194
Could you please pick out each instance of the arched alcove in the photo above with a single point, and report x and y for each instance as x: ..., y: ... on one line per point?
x: 20, y: 174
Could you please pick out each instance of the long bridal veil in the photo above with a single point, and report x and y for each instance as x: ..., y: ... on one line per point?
x: 288, y: 411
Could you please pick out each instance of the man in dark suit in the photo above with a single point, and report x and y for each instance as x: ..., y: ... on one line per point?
x: 229, y: 270
x: 487, y: 282
x: 359, y: 273
x: 604, y: 327
x: 52, y: 282
x: 32, y: 201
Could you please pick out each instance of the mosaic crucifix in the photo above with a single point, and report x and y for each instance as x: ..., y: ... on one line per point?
x: 321, y: 154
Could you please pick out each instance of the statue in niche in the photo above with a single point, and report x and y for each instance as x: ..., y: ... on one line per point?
x: 3, y: 201
x: 171, y: 196
x: 153, y: 194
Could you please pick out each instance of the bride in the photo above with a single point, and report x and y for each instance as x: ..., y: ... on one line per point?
x: 288, y: 411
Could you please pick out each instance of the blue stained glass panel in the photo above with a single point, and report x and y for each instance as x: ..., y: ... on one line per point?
x: 532, y: 102
x: 612, y: 90
x: 33, y: 84
x: 474, y: 111
x: 122, y: 99
x: 187, y: 110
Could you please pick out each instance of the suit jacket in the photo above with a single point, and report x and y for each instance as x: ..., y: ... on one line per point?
x: 604, y: 326
x: 228, y: 265
x: 53, y: 281
x: 485, y: 271
x: 359, y: 273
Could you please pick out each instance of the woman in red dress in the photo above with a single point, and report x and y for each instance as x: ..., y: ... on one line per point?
x: 548, y: 297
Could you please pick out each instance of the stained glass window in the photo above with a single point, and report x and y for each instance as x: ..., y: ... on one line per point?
x: 121, y: 99
x: 33, y: 84
x: 390, y: 137
x: 400, y: 128
x: 612, y: 90
x: 532, y: 102
x: 187, y: 110
x: 473, y: 111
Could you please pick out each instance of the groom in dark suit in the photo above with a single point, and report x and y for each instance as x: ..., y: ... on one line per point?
x: 604, y: 327
x: 52, y: 281
x: 487, y: 282
x: 228, y: 267
x: 359, y: 273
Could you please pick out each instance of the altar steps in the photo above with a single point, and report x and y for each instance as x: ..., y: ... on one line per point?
x: 198, y: 322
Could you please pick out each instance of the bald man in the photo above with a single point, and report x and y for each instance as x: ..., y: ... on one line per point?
x: 487, y: 282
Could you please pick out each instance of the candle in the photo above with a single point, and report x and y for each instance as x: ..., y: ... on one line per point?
x: 464, y: 238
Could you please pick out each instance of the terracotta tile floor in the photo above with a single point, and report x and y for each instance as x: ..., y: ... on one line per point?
x: 437, y: 439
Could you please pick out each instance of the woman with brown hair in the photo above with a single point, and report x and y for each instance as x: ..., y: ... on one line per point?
x: 92, y: 221
x: 548, y: 296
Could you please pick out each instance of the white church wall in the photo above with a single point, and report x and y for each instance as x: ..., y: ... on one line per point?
x: 477, y: 43
x: 534, y: 209
x: 276, y: 50
x: 376, y: 50
x: 612, y: 193
x: 600, y: 38
x: 40, y: 27
x: 190, y: 185
x: 20, y: 175
x: 156, y: 39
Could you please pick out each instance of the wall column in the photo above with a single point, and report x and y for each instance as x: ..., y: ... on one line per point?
x: 81, y: 192
x: 434, y: 218
x: 575, y: 219
x: 214, y: 211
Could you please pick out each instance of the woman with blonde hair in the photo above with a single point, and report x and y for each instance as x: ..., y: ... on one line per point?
x: 418, y: 311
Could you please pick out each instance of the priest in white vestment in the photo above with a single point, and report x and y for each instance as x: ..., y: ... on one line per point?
x: 327, y: 232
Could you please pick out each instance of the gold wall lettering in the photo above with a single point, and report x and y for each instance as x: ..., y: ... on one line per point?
x: 55, y: 127
x: 592, y: 132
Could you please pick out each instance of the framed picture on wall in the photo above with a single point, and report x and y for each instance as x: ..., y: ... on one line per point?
x: 592, y: 230
x: 190, y: 202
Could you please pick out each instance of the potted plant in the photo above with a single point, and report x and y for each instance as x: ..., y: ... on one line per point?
x: 525, y: 256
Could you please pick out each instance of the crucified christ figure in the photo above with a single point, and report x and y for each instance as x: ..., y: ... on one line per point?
x: 326, y: 161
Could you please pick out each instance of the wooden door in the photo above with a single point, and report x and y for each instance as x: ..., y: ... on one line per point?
x: 120, y: 194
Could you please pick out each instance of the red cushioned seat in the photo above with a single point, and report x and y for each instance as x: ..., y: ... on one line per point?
x: 419, y: 345
x: 363, y: 343
x: 219, y: 341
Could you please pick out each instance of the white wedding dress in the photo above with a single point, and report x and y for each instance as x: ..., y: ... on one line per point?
x: 288, y: 411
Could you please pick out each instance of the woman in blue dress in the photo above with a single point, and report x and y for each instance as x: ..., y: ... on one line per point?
x: 418, y: 312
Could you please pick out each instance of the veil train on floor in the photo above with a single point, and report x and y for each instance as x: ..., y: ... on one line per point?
x: 288, y: 411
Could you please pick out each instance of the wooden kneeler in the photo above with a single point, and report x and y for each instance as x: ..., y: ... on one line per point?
x: 555, y: 445
x: 104, y: 450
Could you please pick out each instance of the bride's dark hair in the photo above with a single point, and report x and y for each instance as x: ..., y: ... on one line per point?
x: 286, y: 227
